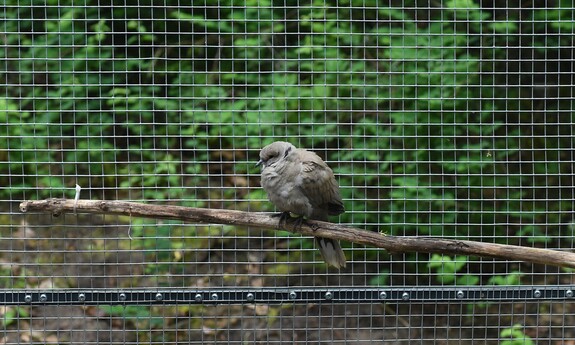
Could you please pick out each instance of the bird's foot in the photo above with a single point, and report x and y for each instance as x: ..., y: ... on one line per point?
x: 283, y: 216
x: 287, y: 216
x: 298, y: 222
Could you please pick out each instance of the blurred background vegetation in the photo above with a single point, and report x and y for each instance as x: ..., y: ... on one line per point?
x: 442, y: 118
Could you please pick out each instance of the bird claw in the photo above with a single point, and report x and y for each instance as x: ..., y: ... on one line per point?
x: 298, y: 222
x: 283, y: 216
x: 286, y: 216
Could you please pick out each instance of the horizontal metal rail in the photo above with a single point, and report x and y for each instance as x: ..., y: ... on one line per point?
x: 283, y: 295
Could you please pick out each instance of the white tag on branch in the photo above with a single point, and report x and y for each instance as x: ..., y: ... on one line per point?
x: 77, y: 197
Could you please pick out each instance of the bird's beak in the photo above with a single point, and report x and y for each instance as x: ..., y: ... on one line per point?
x: 259, y: 163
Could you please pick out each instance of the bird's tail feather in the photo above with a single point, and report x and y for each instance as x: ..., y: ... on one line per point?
x: 331, y: 252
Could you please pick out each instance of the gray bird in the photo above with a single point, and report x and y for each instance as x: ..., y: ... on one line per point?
x: 300, y: 182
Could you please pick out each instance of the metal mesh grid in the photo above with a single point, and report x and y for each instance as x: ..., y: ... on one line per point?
x: 450, y: 119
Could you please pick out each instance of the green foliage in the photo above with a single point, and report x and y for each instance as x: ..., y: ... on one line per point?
x: 513, y: 278
x: 515, y: 336
x: 381, y: 279
x: 13, y: 314
x: 447, y: 270
x: 142, y: 316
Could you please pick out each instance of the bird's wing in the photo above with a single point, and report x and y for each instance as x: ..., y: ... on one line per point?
x: 319, y: 184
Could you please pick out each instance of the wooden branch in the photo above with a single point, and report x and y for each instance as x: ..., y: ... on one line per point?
x: 393, y: 244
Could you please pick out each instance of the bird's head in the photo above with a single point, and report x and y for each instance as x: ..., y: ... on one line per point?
x: 274, y: 152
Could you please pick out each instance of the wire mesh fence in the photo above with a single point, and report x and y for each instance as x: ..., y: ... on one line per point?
x: 449, y: 119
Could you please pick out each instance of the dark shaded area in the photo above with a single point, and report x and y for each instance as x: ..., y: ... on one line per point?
x: 89, y: 252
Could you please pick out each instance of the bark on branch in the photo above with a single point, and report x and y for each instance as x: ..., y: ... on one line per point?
x: 393, y: 244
